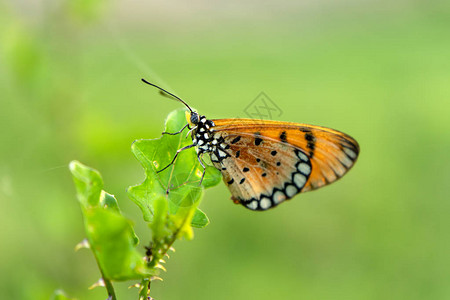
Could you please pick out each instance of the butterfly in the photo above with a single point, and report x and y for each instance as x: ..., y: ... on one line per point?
x: 264, y: 163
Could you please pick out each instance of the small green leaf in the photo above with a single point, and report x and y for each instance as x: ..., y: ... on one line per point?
x: 111, y: 236
x: 109, y: 201
x: 112, y: 239
x: 88, y: 182
x: 200, y: 219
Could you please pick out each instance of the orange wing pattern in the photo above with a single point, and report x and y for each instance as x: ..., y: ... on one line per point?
x: 328, y: 152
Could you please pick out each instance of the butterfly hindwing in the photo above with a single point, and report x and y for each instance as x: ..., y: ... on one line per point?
x: 285, y: 153
x: 261, y: 173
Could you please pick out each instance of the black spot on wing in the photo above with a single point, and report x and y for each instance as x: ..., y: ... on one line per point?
x: 245, y: 169
x: 283, y: 137
x: 242, y: 181
x: 236, y: 139
x: 238, y: 153
x: 311, y: 141
x: 258, y: 140
x: 231, y: 181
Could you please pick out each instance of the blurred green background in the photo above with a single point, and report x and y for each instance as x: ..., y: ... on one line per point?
x: 378, y: 70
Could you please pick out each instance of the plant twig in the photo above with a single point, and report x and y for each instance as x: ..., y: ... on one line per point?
x: 108, y: 284
x: 144, y: 291
x: 109, y: 288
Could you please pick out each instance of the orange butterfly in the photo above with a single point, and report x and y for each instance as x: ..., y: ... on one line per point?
x: 264, y: 162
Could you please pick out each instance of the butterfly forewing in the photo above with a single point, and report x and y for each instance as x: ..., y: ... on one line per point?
x: 268, y: 162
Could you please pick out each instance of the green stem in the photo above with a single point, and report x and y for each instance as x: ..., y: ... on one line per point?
x: 144, y: 291
x: 108, y: 284
x: 109, y: 288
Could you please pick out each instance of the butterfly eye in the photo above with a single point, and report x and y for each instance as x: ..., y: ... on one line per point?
x: 194, y: 118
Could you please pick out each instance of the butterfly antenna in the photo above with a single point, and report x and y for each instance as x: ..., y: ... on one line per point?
x: 169, y: 93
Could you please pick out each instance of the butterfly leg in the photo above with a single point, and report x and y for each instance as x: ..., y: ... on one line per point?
x: 199, y: 157
x: 175, y: 157
x: 190, y: 130
x: 175, y: 133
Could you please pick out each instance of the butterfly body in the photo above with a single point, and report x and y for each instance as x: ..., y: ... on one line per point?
x: 264, y: 163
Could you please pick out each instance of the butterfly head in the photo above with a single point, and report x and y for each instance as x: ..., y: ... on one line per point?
x: 192, y: 118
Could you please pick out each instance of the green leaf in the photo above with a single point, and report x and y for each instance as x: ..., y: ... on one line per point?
x: 108, y: 200
x: 158, y: 225
x: 181, y: 178
x: 113, y: 242
x: 111, y: 236
x: 200, y: 219
x: 88, y: 182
